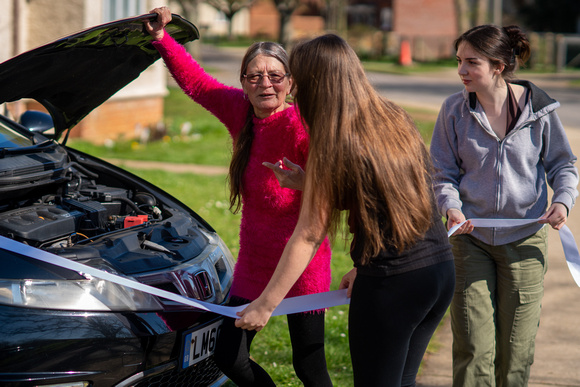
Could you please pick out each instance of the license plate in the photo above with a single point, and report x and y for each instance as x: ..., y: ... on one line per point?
x: 199, y: 344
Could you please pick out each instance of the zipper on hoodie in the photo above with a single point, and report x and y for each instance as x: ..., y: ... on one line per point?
x: 497, y: 169
x: 500, y: 149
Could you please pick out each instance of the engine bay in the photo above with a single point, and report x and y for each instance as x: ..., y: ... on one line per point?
x: 89, y: 213
x: 84, y: 210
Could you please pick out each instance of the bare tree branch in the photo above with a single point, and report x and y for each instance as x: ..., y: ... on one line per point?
x: 189, y: 10
x: 229, y: 9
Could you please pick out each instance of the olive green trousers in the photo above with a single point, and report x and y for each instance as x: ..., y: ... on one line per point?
x: 495, y: 312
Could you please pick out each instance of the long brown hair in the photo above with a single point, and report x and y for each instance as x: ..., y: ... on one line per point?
x: 242, y: 145
x: 366, y: 155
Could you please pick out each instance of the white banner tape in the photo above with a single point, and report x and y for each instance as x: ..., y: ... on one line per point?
x: 566, y: 237
x: 288, y: 306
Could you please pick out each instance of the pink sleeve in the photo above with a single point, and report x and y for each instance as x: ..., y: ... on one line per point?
x: 225, y: 102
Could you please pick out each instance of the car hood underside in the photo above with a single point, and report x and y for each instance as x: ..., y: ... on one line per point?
x: 72, y: 76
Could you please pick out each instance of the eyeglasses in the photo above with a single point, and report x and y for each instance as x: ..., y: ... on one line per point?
x: 274, y: 77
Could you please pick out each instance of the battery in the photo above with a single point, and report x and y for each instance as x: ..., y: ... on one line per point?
x: 135, y: 220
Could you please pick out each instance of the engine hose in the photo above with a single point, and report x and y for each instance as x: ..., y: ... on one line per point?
x: 90, y: 174
x: 132, y: 205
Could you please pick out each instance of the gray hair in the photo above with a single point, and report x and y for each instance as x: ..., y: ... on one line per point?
x: 271, y: 49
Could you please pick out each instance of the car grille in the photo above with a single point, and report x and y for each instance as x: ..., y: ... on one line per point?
x: 201, y: 374
x: 193, y: 285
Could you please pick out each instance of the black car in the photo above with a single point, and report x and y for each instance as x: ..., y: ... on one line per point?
x: 62, y: 327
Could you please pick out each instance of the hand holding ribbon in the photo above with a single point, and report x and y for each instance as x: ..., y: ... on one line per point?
x: 566, y: 237
x: 289, y: 305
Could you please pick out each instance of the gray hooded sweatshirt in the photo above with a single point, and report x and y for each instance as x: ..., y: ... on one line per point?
x: 486, y: 177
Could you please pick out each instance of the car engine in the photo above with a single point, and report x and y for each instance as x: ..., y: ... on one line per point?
x: 85, y: 211
x: 89, y: 211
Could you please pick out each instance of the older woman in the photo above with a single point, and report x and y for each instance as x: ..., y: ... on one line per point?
x: 264, y: 128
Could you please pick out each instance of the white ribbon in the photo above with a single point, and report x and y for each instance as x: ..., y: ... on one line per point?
x: 287, y: 306
x: 568, y: 242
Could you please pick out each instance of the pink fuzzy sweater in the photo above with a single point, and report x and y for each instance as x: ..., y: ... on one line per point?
x: 269, y: 212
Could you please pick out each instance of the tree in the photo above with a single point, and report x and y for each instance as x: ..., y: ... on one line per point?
x: 286, y: 8
x: 189, y: 10
x: 337, y: 17
x: 462, y: 8
x: 482, y: 12
x: 471, y: 13
x: 229, y: 9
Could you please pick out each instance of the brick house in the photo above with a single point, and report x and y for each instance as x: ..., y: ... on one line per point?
x: 306, y: 21
x: 430, y: 26
x: 26, y: 24
x: 262, y: 20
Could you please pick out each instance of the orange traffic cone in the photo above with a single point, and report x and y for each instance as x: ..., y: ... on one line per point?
x: 405, y: 54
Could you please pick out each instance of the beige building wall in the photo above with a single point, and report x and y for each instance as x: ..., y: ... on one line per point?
x: 13, y: 30
x: 27, y: 24
x: 49, y: 20
x: 6, y: 30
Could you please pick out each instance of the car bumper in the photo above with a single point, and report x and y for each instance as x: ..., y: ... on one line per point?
x: 42, y: 348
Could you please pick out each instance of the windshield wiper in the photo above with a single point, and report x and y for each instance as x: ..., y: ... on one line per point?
x: 40, y: 147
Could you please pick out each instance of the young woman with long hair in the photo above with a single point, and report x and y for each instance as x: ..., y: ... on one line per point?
x: 367, y: 160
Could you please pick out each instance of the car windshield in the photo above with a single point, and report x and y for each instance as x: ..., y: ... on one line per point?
x: 11, y: 139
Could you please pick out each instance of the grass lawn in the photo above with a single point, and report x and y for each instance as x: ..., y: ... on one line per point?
x: 392, y: 67
x: 208, y: 143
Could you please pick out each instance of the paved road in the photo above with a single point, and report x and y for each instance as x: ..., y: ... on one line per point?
x: 423, y: 90
x: 430, y: 90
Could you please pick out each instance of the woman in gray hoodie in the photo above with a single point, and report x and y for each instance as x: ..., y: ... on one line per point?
x: 496, y: 146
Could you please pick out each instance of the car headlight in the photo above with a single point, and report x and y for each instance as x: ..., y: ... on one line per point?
x: 92, y: 294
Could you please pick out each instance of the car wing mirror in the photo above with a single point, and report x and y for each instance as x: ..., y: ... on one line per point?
x: 36, y: 121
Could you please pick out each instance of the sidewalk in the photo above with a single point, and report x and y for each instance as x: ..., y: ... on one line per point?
x: 557, y: 359
x: 210, y: 170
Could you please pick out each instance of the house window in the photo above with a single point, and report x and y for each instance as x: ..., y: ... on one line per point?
x: 119, y: 9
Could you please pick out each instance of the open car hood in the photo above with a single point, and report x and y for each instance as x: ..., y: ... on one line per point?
x: 75, y: 74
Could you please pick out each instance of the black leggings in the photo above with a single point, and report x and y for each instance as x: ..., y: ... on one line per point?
x: 232, y: 353
x: 392, y: 319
